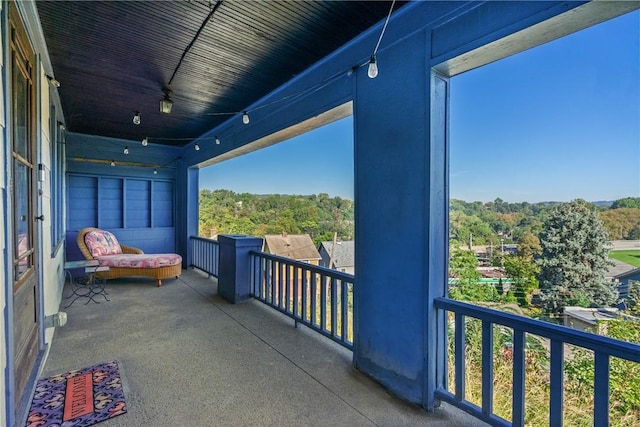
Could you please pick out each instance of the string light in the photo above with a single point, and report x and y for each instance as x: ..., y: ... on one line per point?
x: 53, y: 81
x: 373, y: 63
x: 245, y: 118
x: 145, y: 142
x: 196, y: 147
x: 126, y: 149
x: 373, y: 68
x: 136, y: 118
x: 217, y: 141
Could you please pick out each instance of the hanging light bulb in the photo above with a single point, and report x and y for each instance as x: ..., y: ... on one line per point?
x: 113, y: 163
x: 217, y: 141
x: 136, y: 118
x: 155, y: 171
x: 126, y: 149
x: 145, y: 142
x: 196, y: 147
x: 53, y: 81
x: 373, y: 67
x: 245, y: 118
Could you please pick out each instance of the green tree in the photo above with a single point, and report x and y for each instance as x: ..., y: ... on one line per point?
x: 463, y: 266
x: 523, y: 271
x: 574, y: 259
x: 529, y: 246
x: 627, y: 202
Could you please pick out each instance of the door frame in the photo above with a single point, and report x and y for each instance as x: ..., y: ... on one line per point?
x: 17, y: 406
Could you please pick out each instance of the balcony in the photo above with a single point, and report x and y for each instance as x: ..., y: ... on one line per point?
x: 189, y: 357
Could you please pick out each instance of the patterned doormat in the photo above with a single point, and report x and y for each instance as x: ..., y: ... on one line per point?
x: 78, y: 398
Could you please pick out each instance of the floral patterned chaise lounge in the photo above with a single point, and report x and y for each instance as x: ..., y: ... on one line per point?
x: 124, y: 261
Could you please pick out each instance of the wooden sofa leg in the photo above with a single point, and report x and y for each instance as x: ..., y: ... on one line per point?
x: 159, y: 283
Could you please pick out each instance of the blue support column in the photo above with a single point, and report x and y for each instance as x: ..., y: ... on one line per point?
x: 234, y: 271
x: 399, y: 199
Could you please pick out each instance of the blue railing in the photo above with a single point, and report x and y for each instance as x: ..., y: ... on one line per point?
x: 205, y: 254
x: 317, y: 297
x: 603, y: 348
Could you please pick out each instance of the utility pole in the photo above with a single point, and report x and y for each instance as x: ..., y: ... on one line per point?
x: 333, y: 248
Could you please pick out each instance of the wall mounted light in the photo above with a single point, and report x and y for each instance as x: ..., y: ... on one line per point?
x: 196, y: 147
x: 145, y: 142
x: 245, y: 118
x: 217, y: 141
x: 61, y: 126
x: 54, y: 82
x: 42, y: 172
x: 126, y: 149
x: 166, y: 104
x: 136, y: 118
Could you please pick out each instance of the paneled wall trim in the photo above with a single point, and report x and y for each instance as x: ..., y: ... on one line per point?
x: 139, y: 211
x: 108, y: 202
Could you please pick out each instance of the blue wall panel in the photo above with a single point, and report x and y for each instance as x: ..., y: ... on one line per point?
x: 82, y: 196
x: 111, y: 215
x: 138, y: 203
x: 163, y: 203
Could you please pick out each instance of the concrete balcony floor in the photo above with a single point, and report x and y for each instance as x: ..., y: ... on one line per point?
x: 189, y: 358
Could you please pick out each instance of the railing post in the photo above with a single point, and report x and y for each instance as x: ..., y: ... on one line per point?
x: 234, y: 275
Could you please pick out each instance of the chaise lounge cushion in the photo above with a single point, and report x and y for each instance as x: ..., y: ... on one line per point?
x: 124, y: 261
x: 140, y: 260
x: 102, y: 243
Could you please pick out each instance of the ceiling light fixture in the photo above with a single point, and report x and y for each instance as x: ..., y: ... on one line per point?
x: 245, y: 118
x: 126, y: 149
x: 53, y: 81
x: 145, y: 142
x: 166, y: 104
x: 136, y: 118
x: 113, y: 163
x: 155, y: 171
x: 217, y: 141
x: 196, y: 147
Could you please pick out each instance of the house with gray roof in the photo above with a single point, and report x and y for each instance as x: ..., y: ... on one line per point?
x: 624, y: 280
x: 343, y: 256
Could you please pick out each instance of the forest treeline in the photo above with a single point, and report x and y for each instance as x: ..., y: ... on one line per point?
x: 320, y: 216
x: 489, y: 223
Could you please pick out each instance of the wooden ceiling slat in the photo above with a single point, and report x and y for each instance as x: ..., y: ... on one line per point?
x: 114, y: 57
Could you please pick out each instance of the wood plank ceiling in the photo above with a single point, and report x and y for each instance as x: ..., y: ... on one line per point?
x: 114, y: 58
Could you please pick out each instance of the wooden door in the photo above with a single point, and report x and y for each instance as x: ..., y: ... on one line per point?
x: 23, y: 167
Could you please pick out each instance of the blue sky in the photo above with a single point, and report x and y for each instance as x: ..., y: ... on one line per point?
x: 558, y: 122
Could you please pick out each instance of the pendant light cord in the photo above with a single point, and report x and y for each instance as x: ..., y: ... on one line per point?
x: 384, y: 28
x: 204, y: 23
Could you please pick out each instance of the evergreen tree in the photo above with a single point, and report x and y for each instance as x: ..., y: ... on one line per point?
x: 574, y: 259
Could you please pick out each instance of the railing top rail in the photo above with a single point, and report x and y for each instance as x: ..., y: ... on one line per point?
x: 600, y: 344
x: 204, y: 239
x: 315, y: 268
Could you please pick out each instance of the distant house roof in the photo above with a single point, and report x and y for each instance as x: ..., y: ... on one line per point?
x: 492, y: 272
x: 591, y: 315
x: 619, y: 268
x: 295, y: 246
x: 343, y: 255
x: 628, y: 273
